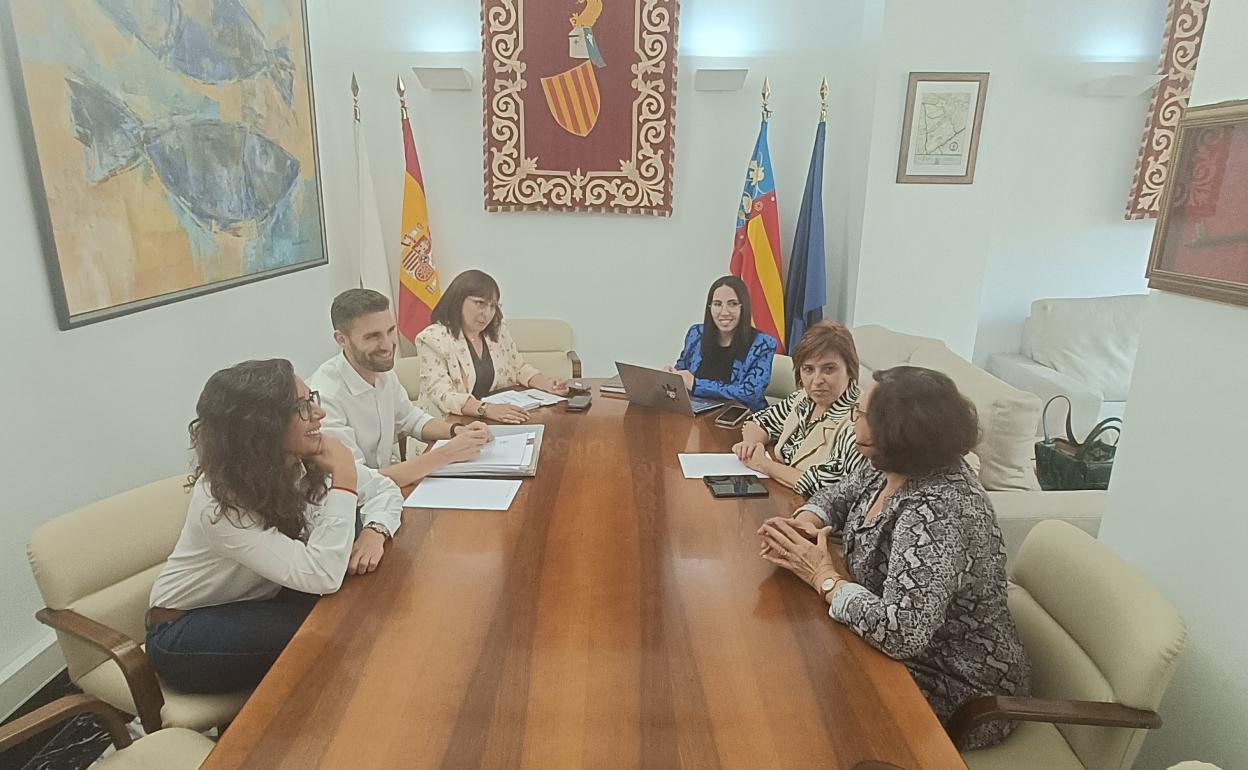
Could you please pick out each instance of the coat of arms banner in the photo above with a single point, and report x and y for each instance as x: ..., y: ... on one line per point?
x: 580, y: 100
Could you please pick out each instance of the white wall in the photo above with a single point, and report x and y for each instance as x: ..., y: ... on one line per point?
x: 1058, y: 226
x: 1044, y: 215
x: 1176, y: 508
x: 103, y: 408
x: 630, y: 286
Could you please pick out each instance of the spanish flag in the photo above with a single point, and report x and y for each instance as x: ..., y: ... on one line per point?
x: 419, y: 287
x: 756, y: 249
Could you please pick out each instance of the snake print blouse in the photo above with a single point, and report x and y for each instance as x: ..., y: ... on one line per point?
x: 929, y: 586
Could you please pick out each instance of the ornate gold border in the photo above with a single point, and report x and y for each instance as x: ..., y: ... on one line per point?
x: 1185, y: 26
x: 643, y: 183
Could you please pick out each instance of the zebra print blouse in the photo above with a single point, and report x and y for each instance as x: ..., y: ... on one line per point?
x: 844, y: 457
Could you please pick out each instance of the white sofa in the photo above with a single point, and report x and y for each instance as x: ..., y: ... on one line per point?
x: 1007, y: 420
x: 1081, y: 348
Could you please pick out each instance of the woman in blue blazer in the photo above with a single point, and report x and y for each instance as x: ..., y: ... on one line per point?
x: 725, y: 356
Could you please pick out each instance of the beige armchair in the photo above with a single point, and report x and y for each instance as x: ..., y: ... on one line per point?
x: 783, y: 381
x: 546, y: 344
x: 95, y: 568
x: 172, y: 749
x: 1102, y: 643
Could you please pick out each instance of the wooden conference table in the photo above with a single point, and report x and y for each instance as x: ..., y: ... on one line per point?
x: 617, y: 616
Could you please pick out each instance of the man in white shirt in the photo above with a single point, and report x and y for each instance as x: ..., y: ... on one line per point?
x: 366, y: 406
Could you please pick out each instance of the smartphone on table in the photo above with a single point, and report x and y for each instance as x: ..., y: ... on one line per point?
x: 732, y: 415
x: 735, y: 486
x: 578, y: 403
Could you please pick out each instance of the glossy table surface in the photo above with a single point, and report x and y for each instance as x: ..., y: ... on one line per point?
x: 616, y: 616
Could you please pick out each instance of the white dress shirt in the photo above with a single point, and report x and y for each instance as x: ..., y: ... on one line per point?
x: 365, y: 417
x: 218, y: 562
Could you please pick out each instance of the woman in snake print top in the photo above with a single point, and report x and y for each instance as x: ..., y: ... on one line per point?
x: 924, y: 559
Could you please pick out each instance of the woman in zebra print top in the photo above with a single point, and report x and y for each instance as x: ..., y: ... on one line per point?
x: 810, y: 430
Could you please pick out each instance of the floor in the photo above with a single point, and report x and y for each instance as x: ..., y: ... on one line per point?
x: 72, y: 745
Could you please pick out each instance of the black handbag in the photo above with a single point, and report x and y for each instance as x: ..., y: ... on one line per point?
x: 1066, y: 463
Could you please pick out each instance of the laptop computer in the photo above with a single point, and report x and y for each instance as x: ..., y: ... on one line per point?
x: 662, y: 390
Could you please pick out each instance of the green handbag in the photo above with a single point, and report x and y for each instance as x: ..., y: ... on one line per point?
x: 1065, y: 463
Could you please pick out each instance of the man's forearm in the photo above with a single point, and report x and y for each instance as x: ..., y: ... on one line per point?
x: 435, y: 430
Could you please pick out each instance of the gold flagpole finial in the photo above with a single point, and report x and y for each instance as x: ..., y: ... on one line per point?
x: 355, y: 97
x: 766, y: 97
x: 823, y: 99
x: 402, y: 89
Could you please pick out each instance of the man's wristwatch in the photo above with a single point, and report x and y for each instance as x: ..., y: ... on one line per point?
x: 480, y: 408
x: 379, y: 529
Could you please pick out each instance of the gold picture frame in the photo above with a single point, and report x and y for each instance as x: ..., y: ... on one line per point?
x: 940, y: 139
x: 1200, y: 246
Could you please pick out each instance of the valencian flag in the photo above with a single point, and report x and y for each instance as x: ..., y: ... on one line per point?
x: 419, y: 287
x: 806, y: 288
x: 756, y: 250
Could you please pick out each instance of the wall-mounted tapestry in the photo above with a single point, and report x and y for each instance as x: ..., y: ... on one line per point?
x: 1185, y: 28
x: 171, y: 143
x: 580, y: 100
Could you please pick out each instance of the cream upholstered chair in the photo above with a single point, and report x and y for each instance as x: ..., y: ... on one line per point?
x: 95, y: 568
x: 408, y: 371
x: 1102, y: 643
x: 546, y: 344
x: 783, y: 381
x: 172, y: 749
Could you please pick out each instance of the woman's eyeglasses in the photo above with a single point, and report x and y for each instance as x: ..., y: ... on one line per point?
x: 304, y: 405
x: 731, y: 304
x: 855, y: 413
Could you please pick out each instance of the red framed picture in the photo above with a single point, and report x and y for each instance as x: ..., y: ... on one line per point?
x: 1200, y: 246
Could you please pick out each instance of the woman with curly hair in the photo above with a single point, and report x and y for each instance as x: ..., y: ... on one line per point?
x: 269, y: 529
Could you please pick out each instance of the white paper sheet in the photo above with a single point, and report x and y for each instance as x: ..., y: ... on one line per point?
x: 464, y: 494
x: 546, y: 399
x: 515, y: 399
x: 696, y: 466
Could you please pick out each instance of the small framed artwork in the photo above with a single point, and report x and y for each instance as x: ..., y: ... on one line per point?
x: 1200, y: 246
x: 940, y: 131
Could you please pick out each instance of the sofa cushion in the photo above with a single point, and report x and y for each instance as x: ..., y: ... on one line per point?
x: 1093, y: 340
x: 1007, y: 419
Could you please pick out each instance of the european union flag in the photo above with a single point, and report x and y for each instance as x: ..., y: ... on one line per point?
x: 806, y: 288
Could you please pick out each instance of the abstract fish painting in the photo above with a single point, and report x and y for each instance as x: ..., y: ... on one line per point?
x: 218, y: 42
x: 173, y: 142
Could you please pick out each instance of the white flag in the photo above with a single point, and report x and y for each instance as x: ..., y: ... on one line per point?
x: 375, y: 272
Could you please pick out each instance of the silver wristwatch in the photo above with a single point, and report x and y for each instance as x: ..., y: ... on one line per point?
x: 379, y: 529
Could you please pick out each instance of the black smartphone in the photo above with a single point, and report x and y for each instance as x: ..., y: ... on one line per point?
x: 578, y: 386
x: 735, y: 486
x: 578, y: 403
x: 732, y: 415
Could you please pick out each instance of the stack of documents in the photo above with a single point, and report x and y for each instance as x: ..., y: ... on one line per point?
x: 464, y: 494
x: 527, y: 400
x: 696, y: 466
x: 503, y: 454
x: 513, y: 452
x: 613, y: 385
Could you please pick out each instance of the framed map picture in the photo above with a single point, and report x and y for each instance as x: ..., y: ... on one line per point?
x: 940, y: 131
x: 1200, y: 246
x: 170, y: 146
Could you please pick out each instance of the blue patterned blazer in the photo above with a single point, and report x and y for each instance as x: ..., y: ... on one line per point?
x: 749, y: 377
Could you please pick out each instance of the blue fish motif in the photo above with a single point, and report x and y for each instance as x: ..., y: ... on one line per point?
x: 220, y: 44
x: 227, y: 175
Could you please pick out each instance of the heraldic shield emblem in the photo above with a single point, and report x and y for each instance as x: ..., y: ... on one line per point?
x: 573, y: 98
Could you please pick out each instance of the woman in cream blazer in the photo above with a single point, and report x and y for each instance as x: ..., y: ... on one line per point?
x: 467, y: 353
